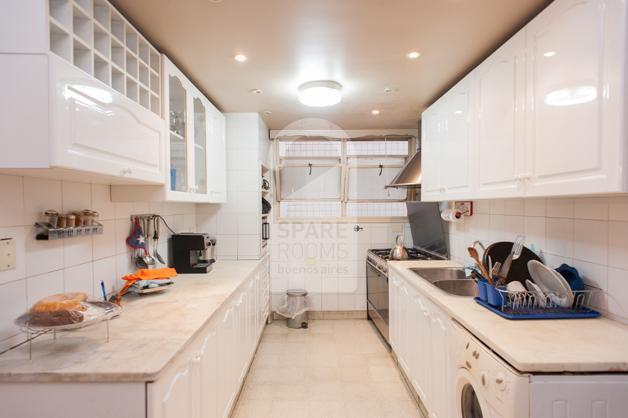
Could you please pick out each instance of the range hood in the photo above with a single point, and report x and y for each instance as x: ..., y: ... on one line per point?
x: 410, y: 175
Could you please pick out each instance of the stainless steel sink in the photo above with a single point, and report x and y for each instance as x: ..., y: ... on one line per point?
x: 451, y: 280
x: 458, y: 287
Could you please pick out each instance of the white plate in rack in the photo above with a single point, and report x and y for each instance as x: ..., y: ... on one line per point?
x: 551, y: 283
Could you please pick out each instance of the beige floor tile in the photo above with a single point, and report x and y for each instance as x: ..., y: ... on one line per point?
x: 290, y: 409
x: 333, y: 369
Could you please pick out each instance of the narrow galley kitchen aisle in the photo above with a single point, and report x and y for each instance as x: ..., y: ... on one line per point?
x: 333, y: 369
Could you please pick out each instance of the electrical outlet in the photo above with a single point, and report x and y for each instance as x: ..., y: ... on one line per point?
x: 7, y: 254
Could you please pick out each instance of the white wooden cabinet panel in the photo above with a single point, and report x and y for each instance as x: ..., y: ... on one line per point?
x: 440, y: 378
x: 458, y: 140
x: 431, y: 159
x: 96, y: 129
x: 501, y: 120
x: 600, y: 396
x: 576, y: 74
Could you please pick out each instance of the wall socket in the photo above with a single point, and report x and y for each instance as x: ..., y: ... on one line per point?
x: 7, y: 254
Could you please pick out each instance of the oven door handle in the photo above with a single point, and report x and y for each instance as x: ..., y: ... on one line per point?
x: 380, y: 272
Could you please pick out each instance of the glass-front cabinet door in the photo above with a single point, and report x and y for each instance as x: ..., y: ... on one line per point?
x: 178, y: 136
x: 200, y: 146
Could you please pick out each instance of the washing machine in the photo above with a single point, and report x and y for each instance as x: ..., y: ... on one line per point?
x: 484, y: 385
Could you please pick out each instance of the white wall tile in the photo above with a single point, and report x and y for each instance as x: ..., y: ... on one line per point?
x: 618, y: 209
x: 618, y: 292
x: 79, y: 279
x: 596, y: 208
x: 101, y: 201
x: 76, y: 196
x: 227, y: 222
x: 12, y: 207
x: 105, y: 270
x: 13, y: 303
x: 534, y: 230
x: 77, y: 250
x: 497, y: 207
x: 227, y: 246
x: 42, y: 256
x: 595, y: 275
x: 535, y: 207
x: 591, y: 241
x: 560, y: 208
x: 560, y: 234
x: 248, y: 245
x: 618, y: 245
x: 105, y: 244
x: 39, y: 196
x: 514, y: 207
x: 329, y: 302
x: 38, y: 287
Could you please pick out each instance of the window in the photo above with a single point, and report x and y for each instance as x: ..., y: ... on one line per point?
x: 320, y: 178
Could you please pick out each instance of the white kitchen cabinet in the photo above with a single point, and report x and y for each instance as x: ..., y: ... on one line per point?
x: 420, y: 340
x: 205, y: 380
x: 576, y: 119
x: 68, y: 107
x: 448, y: 144
x: 195, y: 150
x: 501, y: 120
x: 549, y: 111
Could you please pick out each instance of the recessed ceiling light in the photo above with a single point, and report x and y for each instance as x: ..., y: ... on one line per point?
x: 388, y: 90
x: 256, y: 91
x: 375, y: 112
x: 240, y: 57
x: 413, y: 55
x: 320, y: 93
x: 458, y: 112
x: 267, y: 112
x: 549, y: 54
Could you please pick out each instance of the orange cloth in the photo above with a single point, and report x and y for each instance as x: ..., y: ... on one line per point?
x: 144, y: 274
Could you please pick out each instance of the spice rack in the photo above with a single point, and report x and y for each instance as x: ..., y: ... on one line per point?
x: 96, y: 38
x: 46, y: 232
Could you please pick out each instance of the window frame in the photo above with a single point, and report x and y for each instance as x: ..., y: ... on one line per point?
x: 345, y: 167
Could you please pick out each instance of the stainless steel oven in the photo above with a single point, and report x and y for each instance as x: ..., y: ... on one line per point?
x: 377, y: 297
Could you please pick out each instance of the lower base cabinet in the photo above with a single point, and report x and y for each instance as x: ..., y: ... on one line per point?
x: 420, y: 340
x: 205, y: 381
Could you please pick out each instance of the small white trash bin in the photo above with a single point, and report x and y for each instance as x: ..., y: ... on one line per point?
x: 295, y: 309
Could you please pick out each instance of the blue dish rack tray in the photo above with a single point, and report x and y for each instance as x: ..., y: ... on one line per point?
x: 519, y: 313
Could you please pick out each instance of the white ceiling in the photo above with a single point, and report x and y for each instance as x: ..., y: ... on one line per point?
x: 360, y: 43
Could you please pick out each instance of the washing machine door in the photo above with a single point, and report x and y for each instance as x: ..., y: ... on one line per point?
x: 469, y: 401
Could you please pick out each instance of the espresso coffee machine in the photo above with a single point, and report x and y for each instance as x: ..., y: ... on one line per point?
x: 193, y: 252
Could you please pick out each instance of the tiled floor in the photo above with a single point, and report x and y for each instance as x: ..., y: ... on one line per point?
x: 334, y: 369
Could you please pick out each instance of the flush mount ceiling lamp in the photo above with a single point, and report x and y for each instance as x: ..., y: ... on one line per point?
x: 320, y: 93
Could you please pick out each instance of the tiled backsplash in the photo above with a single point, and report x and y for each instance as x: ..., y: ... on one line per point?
x: 590, y: 234
x: 328, y: 260
x: 73, y: 264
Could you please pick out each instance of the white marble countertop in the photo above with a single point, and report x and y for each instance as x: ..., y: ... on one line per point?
x: 542, y: 346
x: 144, y: 339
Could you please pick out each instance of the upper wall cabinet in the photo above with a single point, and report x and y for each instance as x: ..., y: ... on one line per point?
x: 448, y: 137
x: 195, y: 150
x: 576, y: 94
x: 549, y: 110
x: 81, y: 93
x: 501, y: 120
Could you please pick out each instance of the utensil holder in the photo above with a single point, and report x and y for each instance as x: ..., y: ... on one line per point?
x: 494, y: 296
x: 482, y: 289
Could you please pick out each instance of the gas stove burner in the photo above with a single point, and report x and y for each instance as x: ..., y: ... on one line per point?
x: 413, y: 254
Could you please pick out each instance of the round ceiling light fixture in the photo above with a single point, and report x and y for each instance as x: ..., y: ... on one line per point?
x: 413, y: 55
x: 321, y: 93
x: 240, y: 57
x: 375, y: 112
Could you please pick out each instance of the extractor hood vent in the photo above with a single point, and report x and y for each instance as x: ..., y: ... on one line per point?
x: 410, y: 175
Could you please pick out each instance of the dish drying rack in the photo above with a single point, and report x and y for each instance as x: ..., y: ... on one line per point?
x: 528, y: 305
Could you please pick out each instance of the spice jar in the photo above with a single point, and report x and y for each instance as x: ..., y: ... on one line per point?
x: 95, y: 216
x: 71, y: 221
x: 53, y: 217
x: 87, y: 218
x: 62, y: 221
